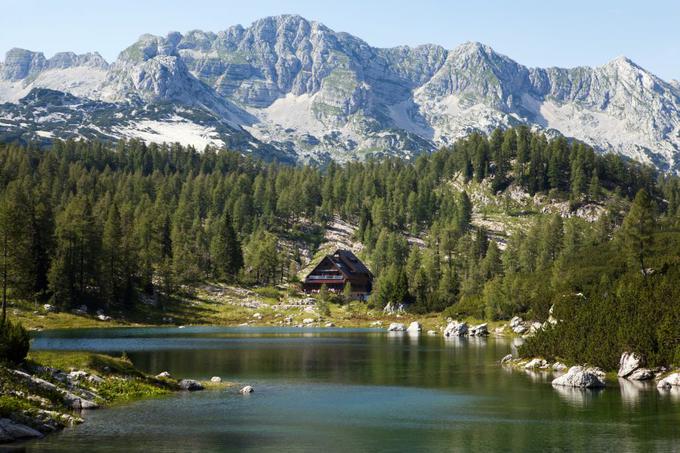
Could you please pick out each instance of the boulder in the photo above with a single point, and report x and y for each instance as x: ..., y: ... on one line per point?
x: 559, y: 366
x: 414, y: 327
x: 49, y: 308
x: 216, y: 379
x: 535, y: 363
x: 77, y: 375
x: 11, y: 431
x: 480, y: 330
x: 582, y: 377
x: 104, y: 318
x: 456, y: 329
x: 329, y: 324
x: 190, y: 385
x: 506, y: 358
x: 641, y: 374
x: 307, y: 321
x: 94, y: 379
x: 396, y: 327
x: 516, y: 321
x: 432, y: 332
x: 672, y: 380
x: 628, y: 363
x: 76, y: 402
x: 246, y: 390
x: 163, y: 374
x: 257, y: 316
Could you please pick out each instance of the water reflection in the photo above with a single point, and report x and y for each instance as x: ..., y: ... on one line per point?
x: 357, y: 390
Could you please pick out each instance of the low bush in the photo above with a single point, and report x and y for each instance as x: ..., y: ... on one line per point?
x: 14, y: 342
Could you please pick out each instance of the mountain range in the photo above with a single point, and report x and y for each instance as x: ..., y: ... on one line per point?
x: 294, y: 90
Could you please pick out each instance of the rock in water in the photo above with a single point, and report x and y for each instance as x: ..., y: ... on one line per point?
x: 10, y: 431
x: 506, y: 358
x: 629, y: 362
x: 641, y: 374
x: 535, y: 363
x: 414, y: 327
x: 216, y: 379
x: 669, y: 381
x: 559, y: 366
x: 190, y: 385
x: 456, y: 329
x: 579, y: 376
x: 396, y: 327
x: 481, y: 330
x: 246, y: 390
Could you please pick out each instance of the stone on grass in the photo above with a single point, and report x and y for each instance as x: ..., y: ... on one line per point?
x: 163, y: 374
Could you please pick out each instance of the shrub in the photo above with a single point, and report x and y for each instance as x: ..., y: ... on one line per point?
x: 268, y: 292
x: 14, y: 343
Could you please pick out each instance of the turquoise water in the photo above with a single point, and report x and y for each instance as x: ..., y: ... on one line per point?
x: 355, y: 390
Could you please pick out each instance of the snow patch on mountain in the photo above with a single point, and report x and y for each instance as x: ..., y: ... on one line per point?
x: 174, y: 130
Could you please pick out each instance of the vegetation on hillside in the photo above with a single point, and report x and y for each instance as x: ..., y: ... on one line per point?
x: 85, y: 224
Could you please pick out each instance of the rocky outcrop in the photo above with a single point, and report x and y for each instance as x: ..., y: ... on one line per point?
x: 456, y: 329
x: 579, y: 376
x: 303, y: 87
x: 536, y: 363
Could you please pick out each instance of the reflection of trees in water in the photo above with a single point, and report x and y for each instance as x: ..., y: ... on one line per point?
x: 384, y: 359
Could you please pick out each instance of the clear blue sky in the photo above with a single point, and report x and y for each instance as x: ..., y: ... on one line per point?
x: 531, y: 32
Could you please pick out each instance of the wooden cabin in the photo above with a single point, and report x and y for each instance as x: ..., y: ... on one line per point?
x: 337, y: 270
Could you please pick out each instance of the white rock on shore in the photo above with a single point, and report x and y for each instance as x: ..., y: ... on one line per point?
x: 456, y: 329
x: 536, y: 363
x: 396, y: 327
x: 672, y: 380
x: 216, y: 379
x: 163, y: 374
x: 506, y: 358
x: 480, y: 330
x: 641, y: 374
x: 582, y: 377
x: 629, y: 362
x: 414, y: 327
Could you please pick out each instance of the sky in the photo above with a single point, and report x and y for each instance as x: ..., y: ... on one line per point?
x: 533, y: 33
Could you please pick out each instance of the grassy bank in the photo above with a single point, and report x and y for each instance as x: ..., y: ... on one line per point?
x: 47, y: 392
x: 224, y: 305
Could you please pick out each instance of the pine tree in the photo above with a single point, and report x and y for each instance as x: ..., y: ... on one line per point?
x: 225, y: 250
x: 637, y: 230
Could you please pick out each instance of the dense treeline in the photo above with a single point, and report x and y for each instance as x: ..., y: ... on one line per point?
x: 83, y: 223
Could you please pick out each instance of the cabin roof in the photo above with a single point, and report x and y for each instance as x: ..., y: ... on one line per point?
x: 346, y: 262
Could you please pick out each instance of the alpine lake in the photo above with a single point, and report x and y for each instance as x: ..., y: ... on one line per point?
x: 341, y: 390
